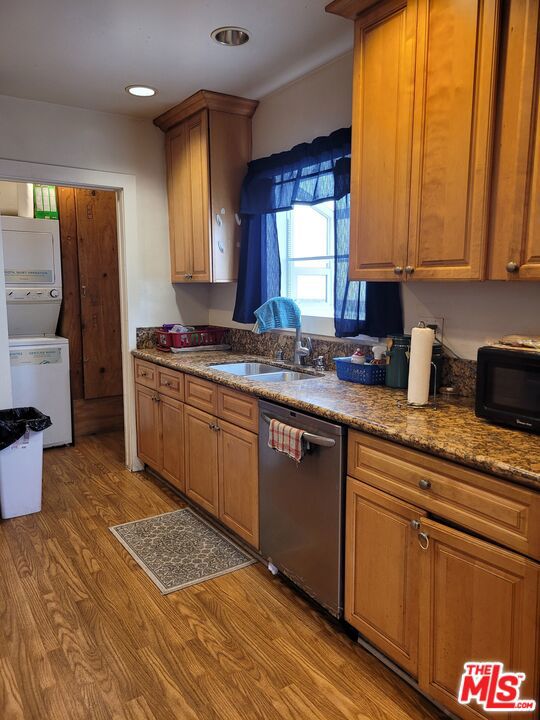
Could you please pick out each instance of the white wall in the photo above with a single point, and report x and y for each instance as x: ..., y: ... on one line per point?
x: 54, y: 134
x: 473, y: 312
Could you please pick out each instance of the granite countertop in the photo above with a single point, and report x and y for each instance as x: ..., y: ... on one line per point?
x: 451, y: 431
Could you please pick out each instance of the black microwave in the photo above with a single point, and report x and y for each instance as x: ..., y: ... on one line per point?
x: 508, y: 387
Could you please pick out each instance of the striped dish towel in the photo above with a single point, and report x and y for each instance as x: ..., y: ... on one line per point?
x: 286, y: 439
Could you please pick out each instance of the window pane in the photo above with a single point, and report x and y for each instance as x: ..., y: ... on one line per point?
x: 311, y: 287
x: 309, y: 232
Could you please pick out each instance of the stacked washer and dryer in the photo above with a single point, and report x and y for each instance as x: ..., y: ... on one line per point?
x: 39, y: 358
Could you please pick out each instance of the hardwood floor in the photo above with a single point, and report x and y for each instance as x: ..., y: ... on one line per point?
x: 84, y: 634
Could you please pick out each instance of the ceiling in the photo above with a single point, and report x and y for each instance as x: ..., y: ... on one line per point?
x: 84, y: 52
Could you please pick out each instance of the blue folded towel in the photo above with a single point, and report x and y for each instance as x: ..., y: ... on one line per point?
x: 278, y: 312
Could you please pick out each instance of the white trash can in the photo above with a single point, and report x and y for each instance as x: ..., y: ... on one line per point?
x: 21, y: 465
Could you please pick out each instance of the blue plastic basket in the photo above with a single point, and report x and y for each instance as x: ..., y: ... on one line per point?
x: 358, y: 373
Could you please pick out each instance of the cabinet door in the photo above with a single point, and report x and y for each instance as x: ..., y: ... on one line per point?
x: 515, y: 230
x: 239, y: 481
x: 148, y: 437
x: 381, y: 141
x: 230, y: 152
x: 172, y: 441
x: 477, y: 602
x: 382, y: 572
x: 201, y: 458
x: 188, y: 190
x: 456, y: 60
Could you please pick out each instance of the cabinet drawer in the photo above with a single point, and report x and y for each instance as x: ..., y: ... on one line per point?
x: 171, y: 383
x: 146, y: 373
x: 238, y: 408
x: 499, y: 510
x: 201, y: 394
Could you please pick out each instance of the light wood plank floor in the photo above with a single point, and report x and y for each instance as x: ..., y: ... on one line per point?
x: 84, y: 634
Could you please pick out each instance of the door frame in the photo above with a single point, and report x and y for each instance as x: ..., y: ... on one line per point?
x: 124, y: 185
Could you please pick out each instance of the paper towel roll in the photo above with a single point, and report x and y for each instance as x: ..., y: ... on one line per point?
x: 25, y: 200
x: 420, y: 365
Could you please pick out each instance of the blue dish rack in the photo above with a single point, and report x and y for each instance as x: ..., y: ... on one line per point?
x: 358, y: 373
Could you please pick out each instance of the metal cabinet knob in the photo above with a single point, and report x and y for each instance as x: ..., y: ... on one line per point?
x: 423, y: 539
x: 409, y: 270
x: 398, y: 270
x: 415, y: 524
x: 424, y: 484
x: 188, y: 276
x: 512, y: 267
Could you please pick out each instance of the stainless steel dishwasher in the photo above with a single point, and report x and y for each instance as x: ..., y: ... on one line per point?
x: 302, y: 506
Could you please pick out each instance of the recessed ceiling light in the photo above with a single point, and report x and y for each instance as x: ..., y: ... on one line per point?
x: 231, y: 36
x: 141, y: 90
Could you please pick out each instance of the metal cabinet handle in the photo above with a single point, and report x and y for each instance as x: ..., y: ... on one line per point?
x: 156, y: 398
x: 415, y: 524
x: 423, y: 540
x: 238, y: 219
x: 512, y: 267
x: 143, y: 373
x: 188, y: 276
x: 219, y: 221
x: 424, y: 484
x: 214, y: 427
x: 409, y: 270
x: 398, y: 270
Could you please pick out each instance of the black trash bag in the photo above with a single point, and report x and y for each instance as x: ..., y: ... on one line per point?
x: 15, y: 422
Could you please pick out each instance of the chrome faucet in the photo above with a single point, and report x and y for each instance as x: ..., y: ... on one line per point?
x: 301, y: 352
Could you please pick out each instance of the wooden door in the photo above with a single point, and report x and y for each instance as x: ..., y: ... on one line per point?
x: 100, y: 293
x: 188, y: 189
x: 381, y: 140
x: 178, y: 186
x: 382, y: 572
x: 515, y: 230
x: 477, y: 602
x: 148, y: 433
x: 171, y: 424
x: 456, y: 62
x: 201, y: 458
x: 239, y: 481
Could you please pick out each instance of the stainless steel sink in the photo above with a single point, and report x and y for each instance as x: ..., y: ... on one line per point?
x: 261, y: 372
x: 246, y: 368
x: 281, y: 376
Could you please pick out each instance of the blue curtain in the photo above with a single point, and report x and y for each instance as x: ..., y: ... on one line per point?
x: 308, y: 174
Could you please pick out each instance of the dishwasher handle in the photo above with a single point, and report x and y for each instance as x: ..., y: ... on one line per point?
x: 308, y: 437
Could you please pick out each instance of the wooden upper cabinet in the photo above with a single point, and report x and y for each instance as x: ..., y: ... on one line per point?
x: 381, y: 140
x: 456, y: 62
x: 208, y: 146
x: 515, y: 228
x: 423, y: 114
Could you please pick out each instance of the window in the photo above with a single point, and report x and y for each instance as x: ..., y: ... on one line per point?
x: 306, y: 246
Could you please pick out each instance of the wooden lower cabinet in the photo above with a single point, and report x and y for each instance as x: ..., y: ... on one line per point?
x: 432, y: 597
x: 239, y: 481
x: 172, y: 441
x: 477, y: 602
x: 160, y: 434
x: 201, y: 451
x: 382, y: 572
x: 148, y: 436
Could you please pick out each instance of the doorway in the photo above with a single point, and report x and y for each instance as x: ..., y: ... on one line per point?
x: 90, y: 311
x: 90, y: 315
